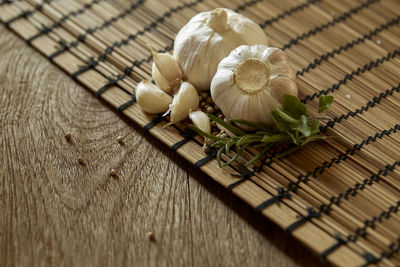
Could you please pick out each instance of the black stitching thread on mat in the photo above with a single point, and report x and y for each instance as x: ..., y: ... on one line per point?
x: 334, y: 247
x: 131, y: 37
x: 334, y: 21
x: 277, y: 199
x: 246, y: 5
x: 393, y: 249
x: 212, y: 155
x: 91, y: 64
x: 153, y: 123
x: 82, y: 37
x: 362, y: 231
x: 26, y: 13
x: 64, y: 47
x: 5, y: 2
x: 354, y: 73
x: 311, y: 213
x: 107, y: 23
x: 303, y: 178
x: 375, y: 100
x: 58, y: 23
x: 288, y: 13
x: 127, y: 104
x: 111, y: 82
x: 23, y: 14
x: 244, y: 174
x: 188, y: 135
x: 370, y: 259
x: 347, y: 46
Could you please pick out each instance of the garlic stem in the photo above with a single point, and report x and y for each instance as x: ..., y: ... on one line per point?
x: 218, y: 20
x: 252, y: 76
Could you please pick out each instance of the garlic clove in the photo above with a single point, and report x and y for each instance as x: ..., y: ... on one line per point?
x: 282, y: 85
x: 184, y: 100
x: 280, y: 63
x: 160, y: 81
x: 201, y: 121
x: 166, y: 71
x: 151, y: 98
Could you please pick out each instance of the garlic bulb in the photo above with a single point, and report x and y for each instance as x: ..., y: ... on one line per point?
x: 184, y: 100
x: 251, y: 82
x: 151, y: 98
x: 201, y: 121
x: 166, y: 72
x: 209, y: 37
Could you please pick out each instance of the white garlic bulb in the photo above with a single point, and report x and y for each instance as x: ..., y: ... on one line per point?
x: 201, y: 121
x: 185, y: 100
x: 166, y: 72
x: 251, y: 82
x: 209, y: 37
x: 151, y: 98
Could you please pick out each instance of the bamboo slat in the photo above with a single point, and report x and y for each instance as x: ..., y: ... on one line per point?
x: 341, y: 196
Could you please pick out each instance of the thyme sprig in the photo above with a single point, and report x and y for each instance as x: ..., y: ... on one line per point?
x: 294, y: 126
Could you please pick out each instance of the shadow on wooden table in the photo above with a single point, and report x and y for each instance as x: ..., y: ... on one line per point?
x: 276, y: 235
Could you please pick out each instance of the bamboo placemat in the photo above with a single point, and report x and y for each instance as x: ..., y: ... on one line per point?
x: 340, y: 196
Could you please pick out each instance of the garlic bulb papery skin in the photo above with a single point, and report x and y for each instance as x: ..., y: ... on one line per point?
x: 251, y: 82
x: 209, y: 37
x: 151, y: 98
x: 166, y: 72
x: 184, y: 101
x: 201, y: 121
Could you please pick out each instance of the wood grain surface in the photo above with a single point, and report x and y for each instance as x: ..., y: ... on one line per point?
x: 56, y: 212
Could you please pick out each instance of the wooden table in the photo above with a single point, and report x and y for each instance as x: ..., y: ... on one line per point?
x: 56, y: 212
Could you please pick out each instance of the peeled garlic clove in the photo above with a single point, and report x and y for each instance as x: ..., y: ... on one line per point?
x: 166, y: 71
x: 151, y: 98
x: 251, y: 82
x: 201, y: 121
x: 184, y: 100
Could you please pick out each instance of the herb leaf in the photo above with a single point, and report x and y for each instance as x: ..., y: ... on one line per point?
x: 282, y: 120
x: 325, y: 101
x: 292, y: 106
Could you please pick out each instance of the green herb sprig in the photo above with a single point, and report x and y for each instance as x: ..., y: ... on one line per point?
x: 293, y: 126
